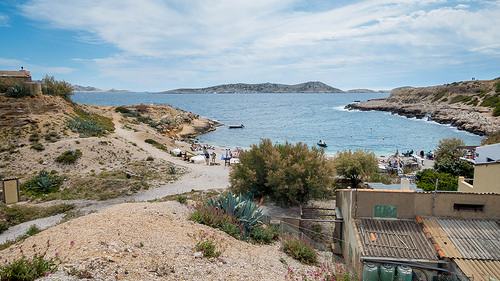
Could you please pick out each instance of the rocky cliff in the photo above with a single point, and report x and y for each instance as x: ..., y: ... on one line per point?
x: 473, y: 106
x: 309, y: 87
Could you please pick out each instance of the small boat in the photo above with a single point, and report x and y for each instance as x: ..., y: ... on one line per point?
x: 321, y: 143
x: 236, y: 126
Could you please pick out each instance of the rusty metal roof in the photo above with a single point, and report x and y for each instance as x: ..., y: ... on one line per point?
x: 479, y: 270
x: 467, y: 239
x: 401, y: 239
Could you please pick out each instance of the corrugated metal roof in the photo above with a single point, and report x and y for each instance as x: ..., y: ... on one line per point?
x: 474, y: 239
x: 403, y: 239
x: 442, y: 238
x: 479, y: 270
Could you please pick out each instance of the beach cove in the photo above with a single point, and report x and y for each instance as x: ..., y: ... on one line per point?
x: 294, y: 117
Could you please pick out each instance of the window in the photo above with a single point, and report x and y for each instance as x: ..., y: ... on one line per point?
x: 386, y: 211
x: 468, y: 207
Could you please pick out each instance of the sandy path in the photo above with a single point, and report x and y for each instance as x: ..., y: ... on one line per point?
x: 197, y: 177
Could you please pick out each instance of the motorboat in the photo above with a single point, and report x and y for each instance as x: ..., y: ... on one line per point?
x: 236, y: 126
x: 322, y: 143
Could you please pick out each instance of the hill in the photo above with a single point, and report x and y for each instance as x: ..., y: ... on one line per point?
x: 78, y: 88
x: 309, y: 87
x: 473, y: 106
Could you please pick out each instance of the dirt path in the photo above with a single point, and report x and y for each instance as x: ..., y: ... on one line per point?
x: 197, y: 177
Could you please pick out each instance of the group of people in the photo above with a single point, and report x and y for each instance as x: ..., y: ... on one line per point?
x: 422, y: 154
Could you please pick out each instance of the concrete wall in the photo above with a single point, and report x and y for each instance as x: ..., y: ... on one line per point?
x: 412, y: 203
x: 487, y: 177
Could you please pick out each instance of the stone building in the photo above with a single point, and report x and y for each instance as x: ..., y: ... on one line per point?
x: 22, y: 77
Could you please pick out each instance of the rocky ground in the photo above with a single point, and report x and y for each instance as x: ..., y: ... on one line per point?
x: 130, y: 235
x: 149, y: 241
x: 457, y: 104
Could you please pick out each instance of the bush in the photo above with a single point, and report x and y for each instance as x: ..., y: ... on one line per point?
x: 43, y: 183
x: 427, y: 180
x: 52, y: 87
x: 29, y: 269
x: 19, y: 213
x: 455, y: 167
x: 209, y: 245
x: 69, y: 156
x: 355, y: 166
x: 288, y: 174
x: 449, y: 149
x: 3, y: 226
x: 18, y: 91
x: 34, y: 137
x: 37, y: 146
x: 299, y: 249
x: 89, y: 124
x: 216, y: 218
x: 122, y: 109
x: 264, y: 234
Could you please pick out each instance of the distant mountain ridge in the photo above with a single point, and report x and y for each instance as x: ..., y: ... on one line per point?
x: 78, y: 88
x: 308, y: 87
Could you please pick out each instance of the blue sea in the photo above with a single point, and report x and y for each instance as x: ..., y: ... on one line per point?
x: 293, y: 117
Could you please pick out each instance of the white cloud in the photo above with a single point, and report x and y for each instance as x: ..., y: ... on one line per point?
x: 4, y: 20
x: 196, y: 38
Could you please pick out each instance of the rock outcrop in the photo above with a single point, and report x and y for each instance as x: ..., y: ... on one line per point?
x: 466, y: 105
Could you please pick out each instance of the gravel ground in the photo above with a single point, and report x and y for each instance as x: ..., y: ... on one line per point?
x: 149, y: 241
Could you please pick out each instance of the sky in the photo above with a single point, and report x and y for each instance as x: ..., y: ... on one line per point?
x: 157, y: 45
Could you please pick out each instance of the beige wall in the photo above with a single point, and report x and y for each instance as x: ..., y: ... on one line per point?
x: 486, y: 178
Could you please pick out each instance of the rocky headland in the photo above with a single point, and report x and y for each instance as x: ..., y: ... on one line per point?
x: 473, y: 106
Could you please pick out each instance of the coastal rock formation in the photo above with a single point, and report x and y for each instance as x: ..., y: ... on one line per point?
x: 468, y: 105
x: 309, y: 87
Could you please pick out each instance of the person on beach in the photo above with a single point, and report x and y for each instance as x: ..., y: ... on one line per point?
x: 213, y: 158
x: 207, y: 156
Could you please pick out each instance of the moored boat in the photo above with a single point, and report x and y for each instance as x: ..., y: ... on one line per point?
x: 235, y: 126
x: 321, y: 143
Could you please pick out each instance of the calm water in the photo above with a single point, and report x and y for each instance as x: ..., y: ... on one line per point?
x: 304, y: 118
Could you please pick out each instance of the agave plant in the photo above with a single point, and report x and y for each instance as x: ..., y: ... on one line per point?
x: 249, y: 214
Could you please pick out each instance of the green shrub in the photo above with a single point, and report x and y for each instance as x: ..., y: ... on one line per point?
x: 427, y: 180
x: 216, y: 218
x: 492, y: 101
x: 69, y: 156
x: 122, y: 109
x: 299, y: 249
x: 37, y: 146
x: 497, y: 87
x: 288, y: 174
x: 32, y: 230
x: 52, y: 87
x: 209, y: 245
x: 496, y: 111
x: 181, y: 198
x: 264, y: 234
x: 18, y: 91
x: 17, y: 214
x: 455, y: 167
x: 34, y: 137
x: 156, y: 144
x: 43, y: 183
x: 355, y: 166
x: 89, y: 124
x: 25, y: 269
x: 439, y: 95
x: 460, y: 98
x: 3, y: 226
x: 52, y: 136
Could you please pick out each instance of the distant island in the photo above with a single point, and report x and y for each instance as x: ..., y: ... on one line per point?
x: 308, y: 87
x: 89, y: 89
